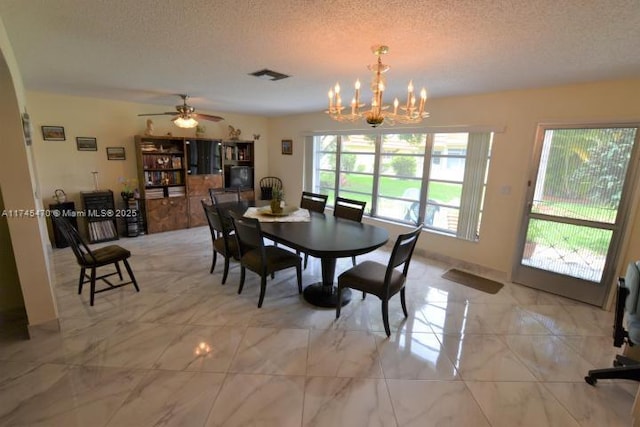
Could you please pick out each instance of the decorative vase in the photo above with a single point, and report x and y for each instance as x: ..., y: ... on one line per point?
x: 275, y: 206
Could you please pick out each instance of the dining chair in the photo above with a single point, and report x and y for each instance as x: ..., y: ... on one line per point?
x: 226, y: 196
x: 94, y: 259
x: 214, y: 191
x: 223, y: 242
x: 260, y: 258
x: 383, y: 281
x: 267, y: 184
x: 315, y: 203
x: 349, y: 209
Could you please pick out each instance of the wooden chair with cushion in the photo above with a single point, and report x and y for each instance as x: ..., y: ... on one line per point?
x: 349, y: 209
x: 315, y: 203
x: 383, y: 281
x: 267, y: 184
x: 225, y: 196
x: 223, y: 243
x: 94, y: 259
x: 261, y: 259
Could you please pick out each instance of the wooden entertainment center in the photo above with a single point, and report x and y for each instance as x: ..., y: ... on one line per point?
x: 175, y: 173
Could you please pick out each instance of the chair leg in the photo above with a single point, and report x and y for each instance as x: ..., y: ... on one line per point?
x: 306, y: 258
x: 118, y: 270
x: 299, y: 275
x: 242, y: 271
x: 263, y: 289
x: 364, y: 294
x: 93, y: 286
x: 81, y: 281
x: 130, y: 272
x: 385, y: 316
x: 338, y: 305
x: 226, y: 270
x: 353, y: 260
x: 403, y: 302
x: 213, y: 262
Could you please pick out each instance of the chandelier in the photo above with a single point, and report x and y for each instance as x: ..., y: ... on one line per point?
x: 408, y: 113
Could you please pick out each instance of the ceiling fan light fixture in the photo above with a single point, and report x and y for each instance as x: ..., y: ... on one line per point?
x: 185, y: 122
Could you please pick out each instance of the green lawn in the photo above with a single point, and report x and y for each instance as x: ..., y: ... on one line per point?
x: 395, y: 187
x: 568, y: 237
x: 546, y: 233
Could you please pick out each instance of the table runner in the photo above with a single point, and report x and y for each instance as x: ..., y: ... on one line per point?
x: 300, y: 215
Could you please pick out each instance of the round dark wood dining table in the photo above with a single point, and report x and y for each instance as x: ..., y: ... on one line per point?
x: 325, y: 237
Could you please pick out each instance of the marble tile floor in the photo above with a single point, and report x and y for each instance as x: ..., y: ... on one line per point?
x: 187, y: 351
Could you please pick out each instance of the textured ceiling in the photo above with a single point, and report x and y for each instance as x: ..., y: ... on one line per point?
x: 148, y: 50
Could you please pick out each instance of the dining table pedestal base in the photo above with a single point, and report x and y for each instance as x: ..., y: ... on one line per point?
x: 325, y: 296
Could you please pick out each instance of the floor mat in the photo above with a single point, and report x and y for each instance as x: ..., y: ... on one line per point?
x: 473, y: 281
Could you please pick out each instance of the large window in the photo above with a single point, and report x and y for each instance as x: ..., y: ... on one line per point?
x: 437, y: 179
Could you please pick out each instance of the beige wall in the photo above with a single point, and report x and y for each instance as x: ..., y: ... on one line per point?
x: 114, y: 124
x: 20, y: 192
x: 518, y: 113
x: 10, y: 293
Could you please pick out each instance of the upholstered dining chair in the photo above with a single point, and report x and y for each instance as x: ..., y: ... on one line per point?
x: 267, y: 184
x: 313, y: 202
x: 349, y: 209
x: 223, y: 242
x: 383, y: 281
x: 225, y: 196
x: 94, y: 259
x: 259, y: 258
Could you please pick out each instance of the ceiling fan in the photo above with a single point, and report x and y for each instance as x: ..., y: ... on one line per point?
x: 186, y: 117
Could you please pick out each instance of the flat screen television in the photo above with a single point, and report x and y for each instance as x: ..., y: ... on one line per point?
x: 204, y: 157
x: 240, y: 177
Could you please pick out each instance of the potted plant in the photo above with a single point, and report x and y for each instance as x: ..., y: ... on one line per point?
x: 276, y: 199
x: 128, y: 188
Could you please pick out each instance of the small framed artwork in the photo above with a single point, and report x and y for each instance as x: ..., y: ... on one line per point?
x: 115, y: 153
x: 84, y: 143
x: 53, y: 133
x: 287, y: 146
x: 26, y: 128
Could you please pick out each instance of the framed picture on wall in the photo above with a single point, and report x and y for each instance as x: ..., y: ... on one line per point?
x: 26, y: 128
x: 287, y: 146
x: 53, y: 133
x: 115, y: 153
x: 84, y: 143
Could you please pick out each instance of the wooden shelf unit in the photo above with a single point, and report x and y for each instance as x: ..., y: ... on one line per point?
x: 171, y: 185
x: 99, y: 209
x: 239, y: 153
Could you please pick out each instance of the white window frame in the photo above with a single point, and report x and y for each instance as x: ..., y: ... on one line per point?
x: 474, y: 183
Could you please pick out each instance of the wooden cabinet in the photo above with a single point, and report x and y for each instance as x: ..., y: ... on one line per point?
x: 166, y: 214
x: 174, y: 174
x: 198, y: 189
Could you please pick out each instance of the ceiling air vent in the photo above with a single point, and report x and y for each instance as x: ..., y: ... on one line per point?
x: 267, y: 74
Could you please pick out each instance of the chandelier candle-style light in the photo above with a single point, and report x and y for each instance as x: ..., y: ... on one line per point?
x: 377, y: 114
